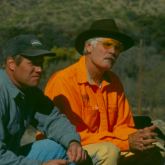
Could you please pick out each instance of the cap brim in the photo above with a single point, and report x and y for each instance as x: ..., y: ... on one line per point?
x: 37, y: 52
x: 91, y: 33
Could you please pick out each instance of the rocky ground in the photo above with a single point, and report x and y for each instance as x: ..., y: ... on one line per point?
x: 29, y: 136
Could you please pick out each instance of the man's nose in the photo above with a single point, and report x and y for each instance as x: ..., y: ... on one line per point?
x: 112, y: 50
x: 38, y: 69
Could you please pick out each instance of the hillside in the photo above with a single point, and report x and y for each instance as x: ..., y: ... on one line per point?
x: 64, y: 19
x: 57, y: 23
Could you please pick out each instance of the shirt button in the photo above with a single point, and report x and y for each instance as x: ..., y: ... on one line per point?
x: 103, y: 121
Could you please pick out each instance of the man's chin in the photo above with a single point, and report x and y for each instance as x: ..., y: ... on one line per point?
x: 34, y: 84
x: 108, y: 67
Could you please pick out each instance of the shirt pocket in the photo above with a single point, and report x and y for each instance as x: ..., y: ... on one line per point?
x: 91, y: 117
x: 13, y: 129
x: 112, y: 116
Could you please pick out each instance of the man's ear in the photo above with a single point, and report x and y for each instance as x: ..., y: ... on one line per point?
x: 10, y: 63
x: 88, y: 47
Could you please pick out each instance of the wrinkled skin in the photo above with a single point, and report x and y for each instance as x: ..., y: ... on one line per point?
x: 142, y: 139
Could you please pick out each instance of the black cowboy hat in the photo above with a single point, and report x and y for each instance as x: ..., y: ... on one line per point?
x: 102, y: 28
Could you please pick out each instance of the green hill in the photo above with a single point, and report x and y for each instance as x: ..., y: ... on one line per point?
x: 57, y: 23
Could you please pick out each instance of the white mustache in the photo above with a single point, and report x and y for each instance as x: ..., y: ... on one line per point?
x: 111, y: 58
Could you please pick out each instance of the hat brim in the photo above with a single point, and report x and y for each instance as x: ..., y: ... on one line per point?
x: 92, y: 33
x: 37, y: 52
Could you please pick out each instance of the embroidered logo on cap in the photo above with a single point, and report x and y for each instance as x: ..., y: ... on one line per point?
x: 35, y: 42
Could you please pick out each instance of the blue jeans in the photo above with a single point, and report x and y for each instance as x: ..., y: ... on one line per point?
x: 44, y: 150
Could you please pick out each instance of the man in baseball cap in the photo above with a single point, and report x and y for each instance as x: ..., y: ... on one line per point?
x: 22, y: 103
x: 19, y: 49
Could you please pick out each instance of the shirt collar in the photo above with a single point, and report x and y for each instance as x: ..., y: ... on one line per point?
x: 84, y: 75
x: 14, y: 90
x: 82, y: 71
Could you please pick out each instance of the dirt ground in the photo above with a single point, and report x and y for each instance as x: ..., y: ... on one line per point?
x: 29, y: 136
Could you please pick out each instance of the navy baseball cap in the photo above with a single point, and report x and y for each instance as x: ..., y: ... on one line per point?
x: 26, y: 45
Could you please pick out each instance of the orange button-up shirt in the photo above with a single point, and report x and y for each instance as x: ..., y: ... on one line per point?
x: 100, y: 114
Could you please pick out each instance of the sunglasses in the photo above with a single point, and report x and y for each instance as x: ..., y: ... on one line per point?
x: 109, y: 43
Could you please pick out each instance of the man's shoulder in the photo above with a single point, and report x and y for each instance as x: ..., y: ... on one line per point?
x: 4, y: 93
x: 36, y: 96
x: 2, y: 79
x: 112, y: 75
x: 115, y: 81
x: 115, y: 78
x: 36, y: 91
x: 3, y: 83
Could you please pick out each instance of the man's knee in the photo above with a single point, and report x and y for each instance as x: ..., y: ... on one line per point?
x: 109, y: 150
x: 46, y: 150
x: 103, y: 153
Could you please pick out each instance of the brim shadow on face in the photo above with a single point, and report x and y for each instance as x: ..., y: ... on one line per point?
x: 92, y: 33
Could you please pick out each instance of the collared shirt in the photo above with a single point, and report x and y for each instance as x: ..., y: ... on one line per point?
x: 20, y: 108
x: 99, y: 114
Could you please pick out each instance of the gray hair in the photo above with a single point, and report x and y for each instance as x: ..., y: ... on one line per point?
x: 17, y: 58
x: 93, y: 42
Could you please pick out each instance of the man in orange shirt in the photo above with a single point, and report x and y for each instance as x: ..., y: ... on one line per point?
x: 93, y: 99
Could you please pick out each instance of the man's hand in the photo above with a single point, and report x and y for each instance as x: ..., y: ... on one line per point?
x: 76, y: 153
x: 142, y: 139
x: 56, y: 162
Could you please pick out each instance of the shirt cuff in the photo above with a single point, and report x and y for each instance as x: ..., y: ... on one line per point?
x: 70, y: 137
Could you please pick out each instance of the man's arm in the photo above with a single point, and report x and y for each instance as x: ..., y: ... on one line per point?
x: 57, y: 127
x: 6, y: 156
x: 137, y: 140
x: 48, y: 120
